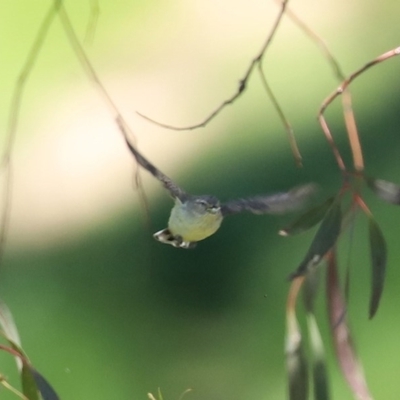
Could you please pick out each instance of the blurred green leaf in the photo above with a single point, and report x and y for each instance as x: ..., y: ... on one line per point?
x: 323, y: 241
x: 385, y: 190
x: 345, y: 351
x: 378, y: 259
x: 46, y: 390
x: 310, y: 290
x: 295, y: 361
x: 307, y: 220
x: 10, y: 331
x: 8, y: 325
x: 320, y: 377
x: 33, y: 382
x: 29, y: 387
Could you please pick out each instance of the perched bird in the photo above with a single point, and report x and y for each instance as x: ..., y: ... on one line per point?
x: 194, y: 218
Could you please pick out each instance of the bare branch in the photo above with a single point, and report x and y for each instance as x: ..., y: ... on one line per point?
x: 92, y: 75
x: 19, y: 89
x: 257, y: 60
x: 284, y: 120
x: 92, y: 23
x: 337, y: 70
x: 348, y: 112
x: 87, y: 66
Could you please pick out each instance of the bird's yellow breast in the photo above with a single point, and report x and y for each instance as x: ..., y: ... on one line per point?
x: 192, y: 226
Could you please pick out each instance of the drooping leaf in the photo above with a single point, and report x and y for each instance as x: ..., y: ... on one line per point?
x: 295, y: 359
x: 350, y: 365
x: 385, y: 190
x: 29, y: 387
x: 320, y: 377
x: 296, y: 365
x: 8, y: 325
x: 323, y: 241
x: 307, y: 220
x: 310, y: 289
x: 378, y: 260
x: 10, y: 332
x: 46, y: 390
x: 185, y: 393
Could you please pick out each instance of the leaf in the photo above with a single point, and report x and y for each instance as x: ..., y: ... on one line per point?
x: 295, y: 360
x: 46, y: 390
x: 385, y: 190
x: 378, y: 260
x: 350, y: 365
x: 29, y: 387
x: 11, y: 332
x: 309, y: 219
x: 323, y: 241
x: 8, y: 325
x: 185, y: 393
x: 320, y: 377
x: 310, y: 290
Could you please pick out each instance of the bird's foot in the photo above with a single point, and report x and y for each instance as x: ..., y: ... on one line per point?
x: 165, y: 236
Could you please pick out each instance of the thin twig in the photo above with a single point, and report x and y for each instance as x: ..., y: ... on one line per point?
x: 346, y: 82
x: 86, y: 64
x: 6, y: 162
x: 92, y: 23
x: 348, y: 113
x: 294, y: 290
x: 284, y: 120
x: 242, y: 83
x: 92, y: 75
x: 12, y: 388
x: 352, y: 132
x: 337, y: 70
x: 331, y: 142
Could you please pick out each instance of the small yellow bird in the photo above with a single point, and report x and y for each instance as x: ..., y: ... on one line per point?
x: 194, y: 218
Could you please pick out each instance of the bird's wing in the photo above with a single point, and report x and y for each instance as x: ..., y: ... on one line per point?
x: 278, y: 203
x: 172, y: 187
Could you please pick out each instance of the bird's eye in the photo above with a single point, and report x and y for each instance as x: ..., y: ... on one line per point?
x: 202, y: 202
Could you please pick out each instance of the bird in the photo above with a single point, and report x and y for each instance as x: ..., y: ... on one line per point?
x: 196, y: 217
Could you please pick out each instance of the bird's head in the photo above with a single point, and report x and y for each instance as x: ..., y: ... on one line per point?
x: 205, y: 204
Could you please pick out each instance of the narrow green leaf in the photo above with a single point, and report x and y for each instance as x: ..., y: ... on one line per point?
x: 310, y: 289
x: 185, y: 393
x: 10, y: 332
x: 29, y: 387
x: 307, y: 220
x: 46, y: 390
x: 295, y: 361
x: 323, y: 241
x: 385, y: 190
x: 378, y: 259
x: 320, y: 377
x: 8, y: 325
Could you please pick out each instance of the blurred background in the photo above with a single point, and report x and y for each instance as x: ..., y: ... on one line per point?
x: 106, y: 312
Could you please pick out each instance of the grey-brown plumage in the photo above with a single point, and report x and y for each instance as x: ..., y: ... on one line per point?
x: 194, y: 218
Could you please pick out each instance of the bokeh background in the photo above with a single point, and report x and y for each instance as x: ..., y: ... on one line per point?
x: 104, y: 311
